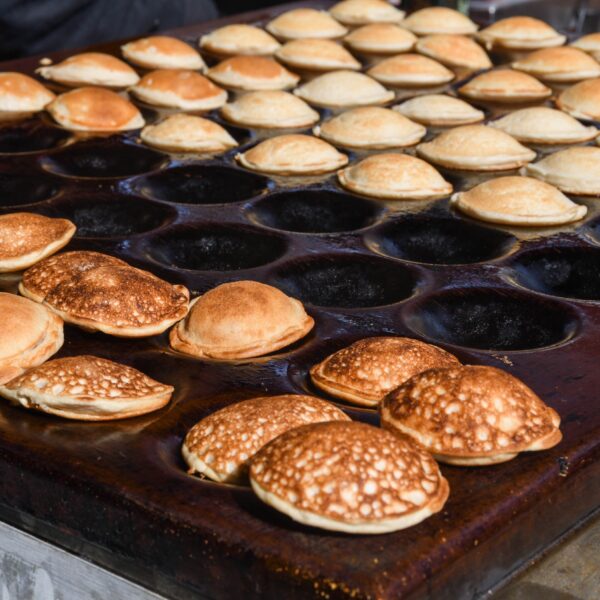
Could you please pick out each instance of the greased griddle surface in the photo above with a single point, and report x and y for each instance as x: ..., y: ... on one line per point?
x: 521, y: 299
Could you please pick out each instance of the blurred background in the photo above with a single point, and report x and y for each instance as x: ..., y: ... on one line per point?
x: 37, y: 26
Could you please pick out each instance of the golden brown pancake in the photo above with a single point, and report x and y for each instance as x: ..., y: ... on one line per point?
x: 26, y: 238
x: 506, y: 86
x: 239, y: 39
x: 348, y: 476
x: 22, y: 94
x: 471, y: 416
x: 91, y: 68
x: 439, y: 20
x: 162, y: 52
x: 30, y: 334
x: 381, y: 38
x: 589, y: 43
x: 581, y: 100
x: 520, y: 33
x: 316, y: 55
x: 252, y: 73
x: 305, y: 23
x: 564, y: 64
x: 242, y: 319
x: 95, y: 109
x: 87, y: 388
x: 440, y: 110
x: 364, y: 372
x: 362, y: 12
x: 454, y: 51
x: 410, y: 70
x: 221, y: 445
x: 183, y: 89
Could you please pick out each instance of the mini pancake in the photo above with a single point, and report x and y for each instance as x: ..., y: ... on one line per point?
x: 573, y: 171
x: 242, y: 319
x: 543, y: 125
x: 253, y: 73
x: 370, y: 128
x: 98, y: 294
x: 362, y: 12
x: 394, y: 176
x: 454, y: 51
x: 95, y: 109
x: 183, y: 89
x: 520, y: 33
x: 381, y: 38
x: 343, y: 89
x: 305, y: 23
x: 221, y: 445
x: 239, y: 39
x: 581, y: 100
x: 30, y: 334
x: 27, y: 238
x: 588, y: 43
x: 521, y: 201
x: 364, y: 372
x: 476, y: 148
x: 91, y: 68
x: 41, y: 278
x: 316, y: 55
x: 563, y: 64
x: 440, y: 110
x: 439, y: 20
x: 87, y: 388
x: 471, y: 416
x: 188, y: 133
x: 292, y: 154
x: 506, y: 86
x: 410, y: 70
x: 162, y: 52
x: 348, y: 476
x: 22, y: 94
x: 270, y: 109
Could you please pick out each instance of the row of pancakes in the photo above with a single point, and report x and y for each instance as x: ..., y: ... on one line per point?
x: 303, y: 455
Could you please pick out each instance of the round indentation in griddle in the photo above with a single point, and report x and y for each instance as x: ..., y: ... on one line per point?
x: 439, y: 240
x: 569, y: 272
x: 314, y: 211
x: 202, y: 184
x: 346, y: 280
x: 104, y: 215
x: 216, y: 247
x: 492, y: 319
x: 105, y: 158
x: 31, y: 135
x: 18, y: 189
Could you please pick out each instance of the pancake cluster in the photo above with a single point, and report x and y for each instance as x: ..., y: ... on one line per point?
x: 354, y: 115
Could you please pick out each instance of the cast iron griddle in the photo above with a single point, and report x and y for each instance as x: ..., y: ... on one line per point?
x: 118, y: 494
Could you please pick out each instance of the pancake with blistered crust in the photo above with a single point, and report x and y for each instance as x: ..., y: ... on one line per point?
x: 20, y: 93
x: 221, y: 445
x: 471, y: 415
x: 87, y: 388
x: 505, y: 85
x: 27, y: 238
x: 348, y: 476
x: 253, y: 73
x: 119, y: 300
x: 364, y: 372
x: 40, y: 279
x: 183, y: 89
x: 518, y: 201
x: 305, y: 23
x: 242, y: 319
x: 239, y: 39
x: 91, y: 68
x: 30, y: 334
x: 162, y: 52
x: 476, y: 148
x: 95, y: 109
